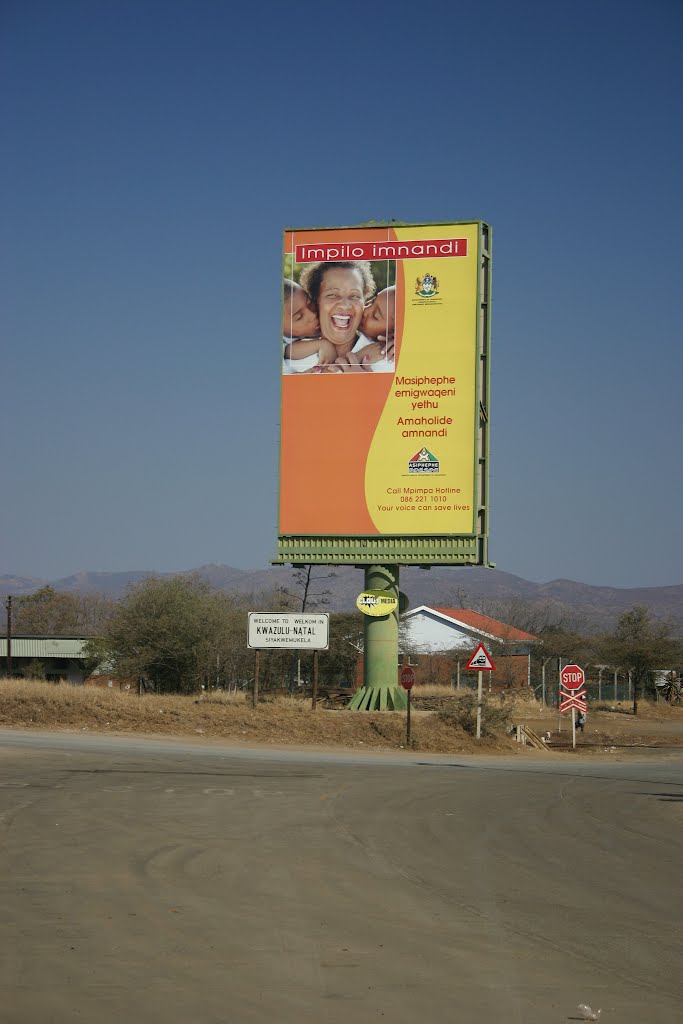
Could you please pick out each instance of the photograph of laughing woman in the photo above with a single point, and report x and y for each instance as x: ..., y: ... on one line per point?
x: 337, y: 318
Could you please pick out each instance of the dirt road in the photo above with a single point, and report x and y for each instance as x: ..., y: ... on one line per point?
x: 624, y: 730
x: 173, y: 883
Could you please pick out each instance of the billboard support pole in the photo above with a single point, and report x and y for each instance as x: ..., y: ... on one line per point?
x: 380, y: 691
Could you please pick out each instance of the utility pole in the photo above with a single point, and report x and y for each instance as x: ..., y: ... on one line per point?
x: 9, y: 636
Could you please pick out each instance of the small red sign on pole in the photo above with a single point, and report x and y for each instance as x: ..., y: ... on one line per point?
x: 407, y: 677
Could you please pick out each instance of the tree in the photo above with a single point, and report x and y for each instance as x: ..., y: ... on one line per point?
x: 176, y: 632
x: 52, y: 613
x: 558, y: 644
x: 35, y: 669
x: 93, y: 611
x: 304, y: 590
x: 305, y: 593
x: 45, y: 612
x: 339, y: 663
x: 534, y: 617
x: 640, y: 645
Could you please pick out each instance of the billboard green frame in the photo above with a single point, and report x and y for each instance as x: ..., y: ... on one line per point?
x: 412, y: 549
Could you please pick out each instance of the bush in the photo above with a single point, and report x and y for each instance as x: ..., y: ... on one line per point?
x: 34, y: 670
x: 464, y: 715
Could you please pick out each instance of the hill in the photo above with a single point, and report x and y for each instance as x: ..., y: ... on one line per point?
x: 591, y: 608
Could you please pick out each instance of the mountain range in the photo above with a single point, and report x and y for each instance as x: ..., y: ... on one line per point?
x: 585, y: 607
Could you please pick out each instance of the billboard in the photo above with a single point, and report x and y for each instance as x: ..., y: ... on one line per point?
x: 384, y: 374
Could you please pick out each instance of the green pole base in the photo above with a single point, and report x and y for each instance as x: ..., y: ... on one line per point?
x: 379, y: 698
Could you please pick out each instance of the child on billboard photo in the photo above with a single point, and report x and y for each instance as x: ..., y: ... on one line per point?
x: 355, y: 322
x: 299, y: 319
x: 377, y: 322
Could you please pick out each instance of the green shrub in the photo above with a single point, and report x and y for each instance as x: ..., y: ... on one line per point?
x: 494, y: 717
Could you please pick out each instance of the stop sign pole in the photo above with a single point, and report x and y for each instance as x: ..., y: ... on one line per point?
x: 407, y: 681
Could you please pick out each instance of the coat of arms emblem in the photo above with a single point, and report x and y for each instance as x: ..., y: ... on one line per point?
x: 427, y: 286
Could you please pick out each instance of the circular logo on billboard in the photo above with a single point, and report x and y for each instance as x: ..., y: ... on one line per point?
x: 376, y: 602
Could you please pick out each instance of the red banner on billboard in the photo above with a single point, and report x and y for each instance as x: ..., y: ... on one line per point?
x: 332, y: 252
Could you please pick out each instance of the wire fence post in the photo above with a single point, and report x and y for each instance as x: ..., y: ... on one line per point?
x: 256, y: 668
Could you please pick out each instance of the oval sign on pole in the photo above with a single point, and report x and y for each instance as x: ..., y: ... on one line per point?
x: 376, y: 602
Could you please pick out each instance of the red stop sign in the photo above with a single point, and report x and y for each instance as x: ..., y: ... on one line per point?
x: 572, y: 677
x: 407, y: 677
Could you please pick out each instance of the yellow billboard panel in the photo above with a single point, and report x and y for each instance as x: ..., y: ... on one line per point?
x: 382, y: 389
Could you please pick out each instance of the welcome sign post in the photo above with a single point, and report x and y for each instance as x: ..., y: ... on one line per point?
x: 384, y: 441
x: 271, y: 631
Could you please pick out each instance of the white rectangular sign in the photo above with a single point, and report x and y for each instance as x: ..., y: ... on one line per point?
x: 298, y: 632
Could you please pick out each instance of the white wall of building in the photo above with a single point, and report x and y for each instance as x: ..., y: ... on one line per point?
x: 425, y: 633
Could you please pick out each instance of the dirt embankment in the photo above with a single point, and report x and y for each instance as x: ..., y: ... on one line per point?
x: 290, y: 721
x: 282, y: 721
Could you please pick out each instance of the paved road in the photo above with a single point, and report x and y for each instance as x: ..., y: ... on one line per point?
x: 160, y: 881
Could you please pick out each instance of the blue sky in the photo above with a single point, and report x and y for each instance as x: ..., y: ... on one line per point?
x: 154, y: 151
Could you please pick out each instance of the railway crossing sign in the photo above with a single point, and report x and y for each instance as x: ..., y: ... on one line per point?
x: 480, y: 661
x: 572, y: 692
x: 578, y: 702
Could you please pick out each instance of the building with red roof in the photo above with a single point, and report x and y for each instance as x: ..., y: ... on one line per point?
x: 438, y: 642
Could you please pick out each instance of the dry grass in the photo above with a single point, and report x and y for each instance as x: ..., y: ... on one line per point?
x: 290, y: 721
x: 282, y: 721
x: 432, y: 690
x: 652, y: 709
x: 518, y: 703
x: 224, y: 697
